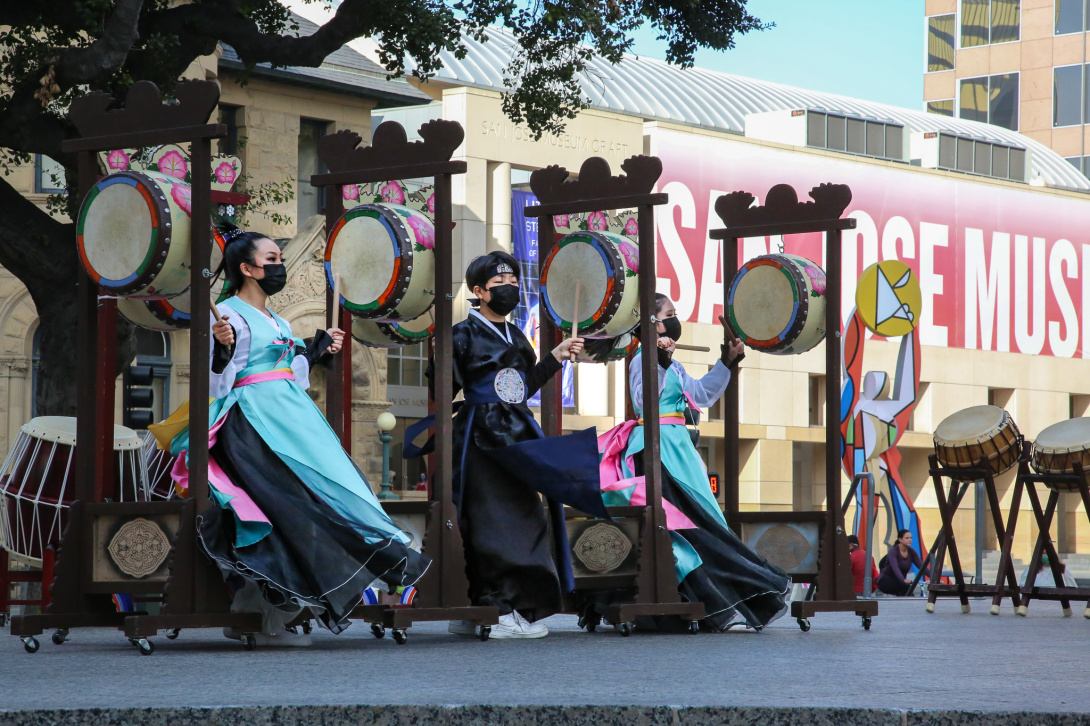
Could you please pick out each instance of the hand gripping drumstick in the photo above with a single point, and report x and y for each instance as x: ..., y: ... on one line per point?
x: 575, y: 318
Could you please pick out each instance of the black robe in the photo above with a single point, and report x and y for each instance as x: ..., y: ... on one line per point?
x: 508, y: 548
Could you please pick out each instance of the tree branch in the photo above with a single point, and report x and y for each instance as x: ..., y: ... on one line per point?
x: 107, y: 54
x: 34, y: 247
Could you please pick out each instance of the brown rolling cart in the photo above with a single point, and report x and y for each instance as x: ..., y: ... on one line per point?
x: 86, y: 571
x: 443, y: 592
x: 649, y: 567
x: 784, y: 214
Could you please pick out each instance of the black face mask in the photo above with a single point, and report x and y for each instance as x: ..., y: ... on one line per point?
x: 672, y: 328
x: 276, y: 277
x: 504, y: 299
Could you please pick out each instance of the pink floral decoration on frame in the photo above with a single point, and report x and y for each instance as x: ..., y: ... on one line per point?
x: 631, y: 255
x: 226, y: 173
x: 817, y: 278
x: 561, y: 220
x: 173, y: 164
x: 631, y: 228
x: 598, y: 222
x: 350, y: 192
x: 118, y: 160
x: 392, y: 193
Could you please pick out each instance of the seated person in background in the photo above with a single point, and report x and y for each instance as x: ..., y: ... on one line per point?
x: 1044, y: 576
x: 896, y: 575
x: 859, y: 570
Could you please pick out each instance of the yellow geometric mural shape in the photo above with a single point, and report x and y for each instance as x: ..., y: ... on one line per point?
x: 888, y: 298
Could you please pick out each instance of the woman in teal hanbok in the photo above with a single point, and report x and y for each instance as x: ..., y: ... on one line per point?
x: 713, y: 566
x: 297, y: 525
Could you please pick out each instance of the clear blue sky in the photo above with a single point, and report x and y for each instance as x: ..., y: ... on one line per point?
x: 867, y: 49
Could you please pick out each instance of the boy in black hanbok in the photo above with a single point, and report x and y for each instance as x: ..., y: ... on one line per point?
x: 502, y: 461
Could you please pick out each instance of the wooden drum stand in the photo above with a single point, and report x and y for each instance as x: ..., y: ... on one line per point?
x: 443, y: 592
x: 948, y: 505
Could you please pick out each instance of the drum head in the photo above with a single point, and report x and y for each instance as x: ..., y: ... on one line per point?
x: 578, y: 257
x: 62, y: 429
x: 970, y: 424
x: 764, y: 302
x: 1070, y: 435
x: 365, y: 251
x: 117, y: 227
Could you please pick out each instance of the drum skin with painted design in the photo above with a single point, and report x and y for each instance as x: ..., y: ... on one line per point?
x: 173, y: 313
x: 607, y: 266
x: 1058, y: 447
x: 133, y: 234
x: 777, y: 304
x: 965, y: 437
x: 375, y: 334
x: 383, y: 253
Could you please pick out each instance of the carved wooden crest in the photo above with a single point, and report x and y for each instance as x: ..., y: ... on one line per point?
x: 100, y: 114
x: 390, y: 146
x: 782, y: 206
x: 596, y: 181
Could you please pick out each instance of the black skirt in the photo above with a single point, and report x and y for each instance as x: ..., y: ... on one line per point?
x: 313, y: 557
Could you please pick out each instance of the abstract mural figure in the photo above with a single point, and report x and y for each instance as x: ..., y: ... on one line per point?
x: 871, y: 422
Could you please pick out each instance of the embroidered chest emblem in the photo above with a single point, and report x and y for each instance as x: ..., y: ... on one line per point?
x: 509, y: 386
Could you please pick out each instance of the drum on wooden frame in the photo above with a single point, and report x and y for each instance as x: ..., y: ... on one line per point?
x: 133, y: 234
x: 376, y: 334
x: 36, y: 481
x: 383, y: 253
x: 777, y: 304
x: 173, y: 313
x: 1057, y: 449
x: 980, y: 432
x: 607, y: 267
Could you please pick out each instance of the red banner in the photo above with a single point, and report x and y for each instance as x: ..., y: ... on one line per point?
x: 1001, y: 269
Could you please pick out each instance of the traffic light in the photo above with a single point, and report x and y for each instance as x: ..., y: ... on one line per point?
x: 139, y: 397
x: 713, y: 480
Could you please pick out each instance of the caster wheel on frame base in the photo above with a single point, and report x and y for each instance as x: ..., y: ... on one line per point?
x: 31, y: 644
x: 249, y: 642
x: 804, y: 624
x: 866, y: 622
x: 400, y: 636
x: 486, y: 633
x: 145, y: 646
x: 626, y: 629
x: 694, y: 627
x: 173, y: 633
x: 378, y: 630
x: 59, y: 636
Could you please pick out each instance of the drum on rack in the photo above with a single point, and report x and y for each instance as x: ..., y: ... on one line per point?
x: 158, y: 464
x: 36, y: 481
x: 173, y: 314
x: 777, y: 304
x: 606, y: 266
x: 133, y: 234
x: 394, y: 335
x: 1058, y: 447
x: 965, y: 437
x: 383, y: 253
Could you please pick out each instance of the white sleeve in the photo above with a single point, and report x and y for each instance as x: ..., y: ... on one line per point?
x: 708, y: 389
x: 220, y: 384
x: 300, y: 368
x: 635, y: 380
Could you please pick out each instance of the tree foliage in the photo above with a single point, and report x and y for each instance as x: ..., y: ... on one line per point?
x: 54, y: 50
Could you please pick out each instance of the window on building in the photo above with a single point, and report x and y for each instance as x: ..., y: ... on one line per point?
x: 48, y: 175
x: 942, y: 108
x: 817, y: 400
x: 940, y: 43
x: 406, y: 366
x: 1082, y: 163
x: 311, y: 200
x: 1070, y: 95
x: 228, y: 116
x: 1072, y: 16
x: 989, y: 21
x: 991, y: 99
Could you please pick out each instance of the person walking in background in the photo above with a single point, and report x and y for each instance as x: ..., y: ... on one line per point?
x: 859, y: 567
x: 896, y: 575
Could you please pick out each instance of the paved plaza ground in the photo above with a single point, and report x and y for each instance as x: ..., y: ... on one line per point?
x: 908, y: 660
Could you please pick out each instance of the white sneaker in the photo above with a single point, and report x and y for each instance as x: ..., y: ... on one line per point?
x: 533, y: 630
x: 512, y: 626
x: 461, y: 627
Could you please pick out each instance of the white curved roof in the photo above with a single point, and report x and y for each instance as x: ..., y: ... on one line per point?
x: 657, y: 91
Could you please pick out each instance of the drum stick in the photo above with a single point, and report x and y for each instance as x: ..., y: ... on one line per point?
x: 575, y: 317
x: 697, y: 348
x: 216, y: 310
x: 336, y: 295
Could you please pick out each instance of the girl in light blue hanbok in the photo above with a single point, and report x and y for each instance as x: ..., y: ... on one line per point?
x: 713, y: 566
x: 297, y: 524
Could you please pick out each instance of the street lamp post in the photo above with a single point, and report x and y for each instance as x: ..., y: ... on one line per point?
x: 385, y: 424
